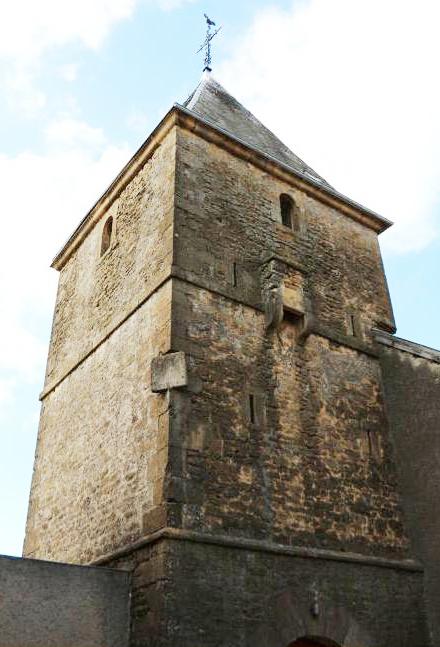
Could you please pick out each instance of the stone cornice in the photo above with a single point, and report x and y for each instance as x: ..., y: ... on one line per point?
x: 180, y: 116
x: 417, y: 350
x: 266, y: 546
x: 51, y: 386
x: 179, y: 274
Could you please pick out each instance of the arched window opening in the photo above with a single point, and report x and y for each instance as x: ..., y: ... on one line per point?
x: 287, y: 208
x: 106, y: 235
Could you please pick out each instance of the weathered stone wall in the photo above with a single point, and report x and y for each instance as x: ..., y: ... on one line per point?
x: 150, y: 615
x: 56, y: 605
x: 312, y: 463
x: 412, y: 387
x: 270, y: 432
x: 227, y: 211
x: 102, y: 433
x: 314, y: 467
x: 315, y: 426
x: 101, y: 451
x: 96, y: 293
x: 187, y: 593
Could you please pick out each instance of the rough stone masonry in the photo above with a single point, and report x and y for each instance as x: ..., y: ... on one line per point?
x: 219, y: 413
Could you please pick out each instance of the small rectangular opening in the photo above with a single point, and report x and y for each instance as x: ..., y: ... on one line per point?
x: 352, y: 325
x: 291, y: 316
x: 374, y: 449
x: 252, y: 411
x: 287, y: 206
x: 234, y: 275
x: 370, y: 444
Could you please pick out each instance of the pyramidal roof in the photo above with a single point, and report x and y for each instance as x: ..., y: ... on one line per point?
x: 211, y: 104
x: 217, y: 107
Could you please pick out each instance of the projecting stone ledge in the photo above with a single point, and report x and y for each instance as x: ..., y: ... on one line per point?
x: 168, y: 372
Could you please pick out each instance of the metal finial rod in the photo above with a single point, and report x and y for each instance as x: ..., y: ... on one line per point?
x: 207, y: 43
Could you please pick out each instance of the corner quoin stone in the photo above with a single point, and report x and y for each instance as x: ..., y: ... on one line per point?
x: 168, y: 372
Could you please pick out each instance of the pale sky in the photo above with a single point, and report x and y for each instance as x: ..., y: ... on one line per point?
x: 350, y: 85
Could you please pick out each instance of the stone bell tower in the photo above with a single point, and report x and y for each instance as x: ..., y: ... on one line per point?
x: 213, y: 413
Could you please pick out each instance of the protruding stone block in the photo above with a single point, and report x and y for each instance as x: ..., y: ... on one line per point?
x: 168, y: 372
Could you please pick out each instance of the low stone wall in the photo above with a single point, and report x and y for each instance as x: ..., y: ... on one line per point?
x: 45, y: 604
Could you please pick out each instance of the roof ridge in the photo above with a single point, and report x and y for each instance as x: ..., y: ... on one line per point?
x: 192, y: 99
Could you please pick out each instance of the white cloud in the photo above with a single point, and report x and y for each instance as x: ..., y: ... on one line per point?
x: 28, y: 28
x: 20, y: 90
x: 169, y: 5
x: 7, y: 386
x: 350, y: 86
x: 139, y: 122
x: 44, y: 197
x: 69, y: 72
x: 67, y: 133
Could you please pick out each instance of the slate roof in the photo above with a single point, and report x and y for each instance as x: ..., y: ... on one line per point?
x: 216, y: 106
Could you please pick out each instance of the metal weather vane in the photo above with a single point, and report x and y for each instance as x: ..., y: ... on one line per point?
x: 207, y: 43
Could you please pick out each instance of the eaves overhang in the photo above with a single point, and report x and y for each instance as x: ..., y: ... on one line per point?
x: 190, y: 120
x: 308, y: 183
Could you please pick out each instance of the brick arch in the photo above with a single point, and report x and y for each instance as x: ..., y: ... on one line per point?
x: 288, y: 620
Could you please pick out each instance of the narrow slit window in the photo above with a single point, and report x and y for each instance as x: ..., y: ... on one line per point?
x: 352, y: 325
x: 287, y: 208
x: 374, y: 447
x: 106, y: 235
x: 370, y: 444
x: 252, y: 412
x: 234, y: 275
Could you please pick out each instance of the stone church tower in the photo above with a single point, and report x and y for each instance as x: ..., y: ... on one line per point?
x: 213, y: 416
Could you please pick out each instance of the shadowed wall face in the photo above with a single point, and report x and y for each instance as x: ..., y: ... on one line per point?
x: 412, y: 388
x: 44, y: 604
x: 197, y: 594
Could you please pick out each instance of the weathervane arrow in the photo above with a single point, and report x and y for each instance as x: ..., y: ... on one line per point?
x: 207, y: 43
